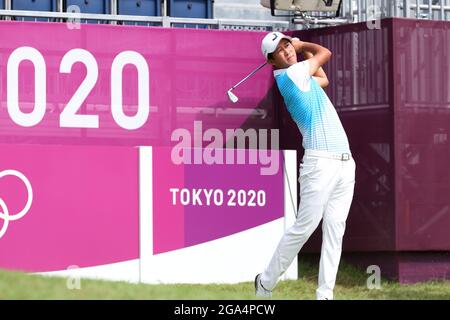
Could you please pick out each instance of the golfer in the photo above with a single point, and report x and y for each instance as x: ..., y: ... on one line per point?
x: 327, y: 171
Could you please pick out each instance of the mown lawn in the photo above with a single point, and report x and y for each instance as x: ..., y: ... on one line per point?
x: 351, y: 284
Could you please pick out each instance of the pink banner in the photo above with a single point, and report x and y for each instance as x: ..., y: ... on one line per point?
x: 83, y: 206
x: 124, y: 85
x: 197, y: 203
x: 79, y: 205
x: 74, y: 102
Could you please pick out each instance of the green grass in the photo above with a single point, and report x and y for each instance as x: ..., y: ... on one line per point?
x: 351, y: 284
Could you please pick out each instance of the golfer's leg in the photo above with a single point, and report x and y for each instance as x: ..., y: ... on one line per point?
x: 309, y: 216
x: 314, y: 190
x: 333, y: 227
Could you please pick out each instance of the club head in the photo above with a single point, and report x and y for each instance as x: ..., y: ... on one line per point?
x: 232, y: 96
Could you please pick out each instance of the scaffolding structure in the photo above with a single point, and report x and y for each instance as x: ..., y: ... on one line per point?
x: 353, y: 11
x: 363, y: 10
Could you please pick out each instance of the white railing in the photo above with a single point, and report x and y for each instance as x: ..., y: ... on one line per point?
x: 351, y: 11
x: 163, y: 21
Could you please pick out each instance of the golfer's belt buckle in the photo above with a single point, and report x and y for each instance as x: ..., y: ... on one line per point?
x: 345, y: 156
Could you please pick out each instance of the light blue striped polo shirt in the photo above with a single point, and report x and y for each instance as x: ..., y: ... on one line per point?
x: 311, y: 109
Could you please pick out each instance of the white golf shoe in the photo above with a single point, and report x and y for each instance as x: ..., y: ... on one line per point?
x: 260, y: 291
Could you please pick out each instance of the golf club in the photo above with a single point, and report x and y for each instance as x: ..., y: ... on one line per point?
x: 231, y: 95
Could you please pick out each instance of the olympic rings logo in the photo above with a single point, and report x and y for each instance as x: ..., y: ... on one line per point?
x: 5, y: 215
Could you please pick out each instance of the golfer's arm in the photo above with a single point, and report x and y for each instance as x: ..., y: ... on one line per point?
x: 321, y: 55
x: 320, y: 74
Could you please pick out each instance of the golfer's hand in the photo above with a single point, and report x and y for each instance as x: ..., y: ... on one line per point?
x: 298, y: 44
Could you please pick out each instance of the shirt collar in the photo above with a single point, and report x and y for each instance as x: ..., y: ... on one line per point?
x: 278, y: 72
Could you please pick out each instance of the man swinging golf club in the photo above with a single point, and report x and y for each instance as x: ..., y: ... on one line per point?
x: 327, y: 171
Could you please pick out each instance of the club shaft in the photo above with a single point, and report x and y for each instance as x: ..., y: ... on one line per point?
x: 251, y: 74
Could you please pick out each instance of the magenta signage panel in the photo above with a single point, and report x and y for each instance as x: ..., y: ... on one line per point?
x: 196, y: 203
x: 122, y: 85
x: 83, y: 206
x: 96, y: 208
x: 76, y: 107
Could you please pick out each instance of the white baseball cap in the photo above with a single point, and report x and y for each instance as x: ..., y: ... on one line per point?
x: 270, y: 42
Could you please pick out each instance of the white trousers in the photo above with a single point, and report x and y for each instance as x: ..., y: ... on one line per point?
x: 326, y: 191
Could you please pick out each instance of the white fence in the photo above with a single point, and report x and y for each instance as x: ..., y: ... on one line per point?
x: 351, y: 11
